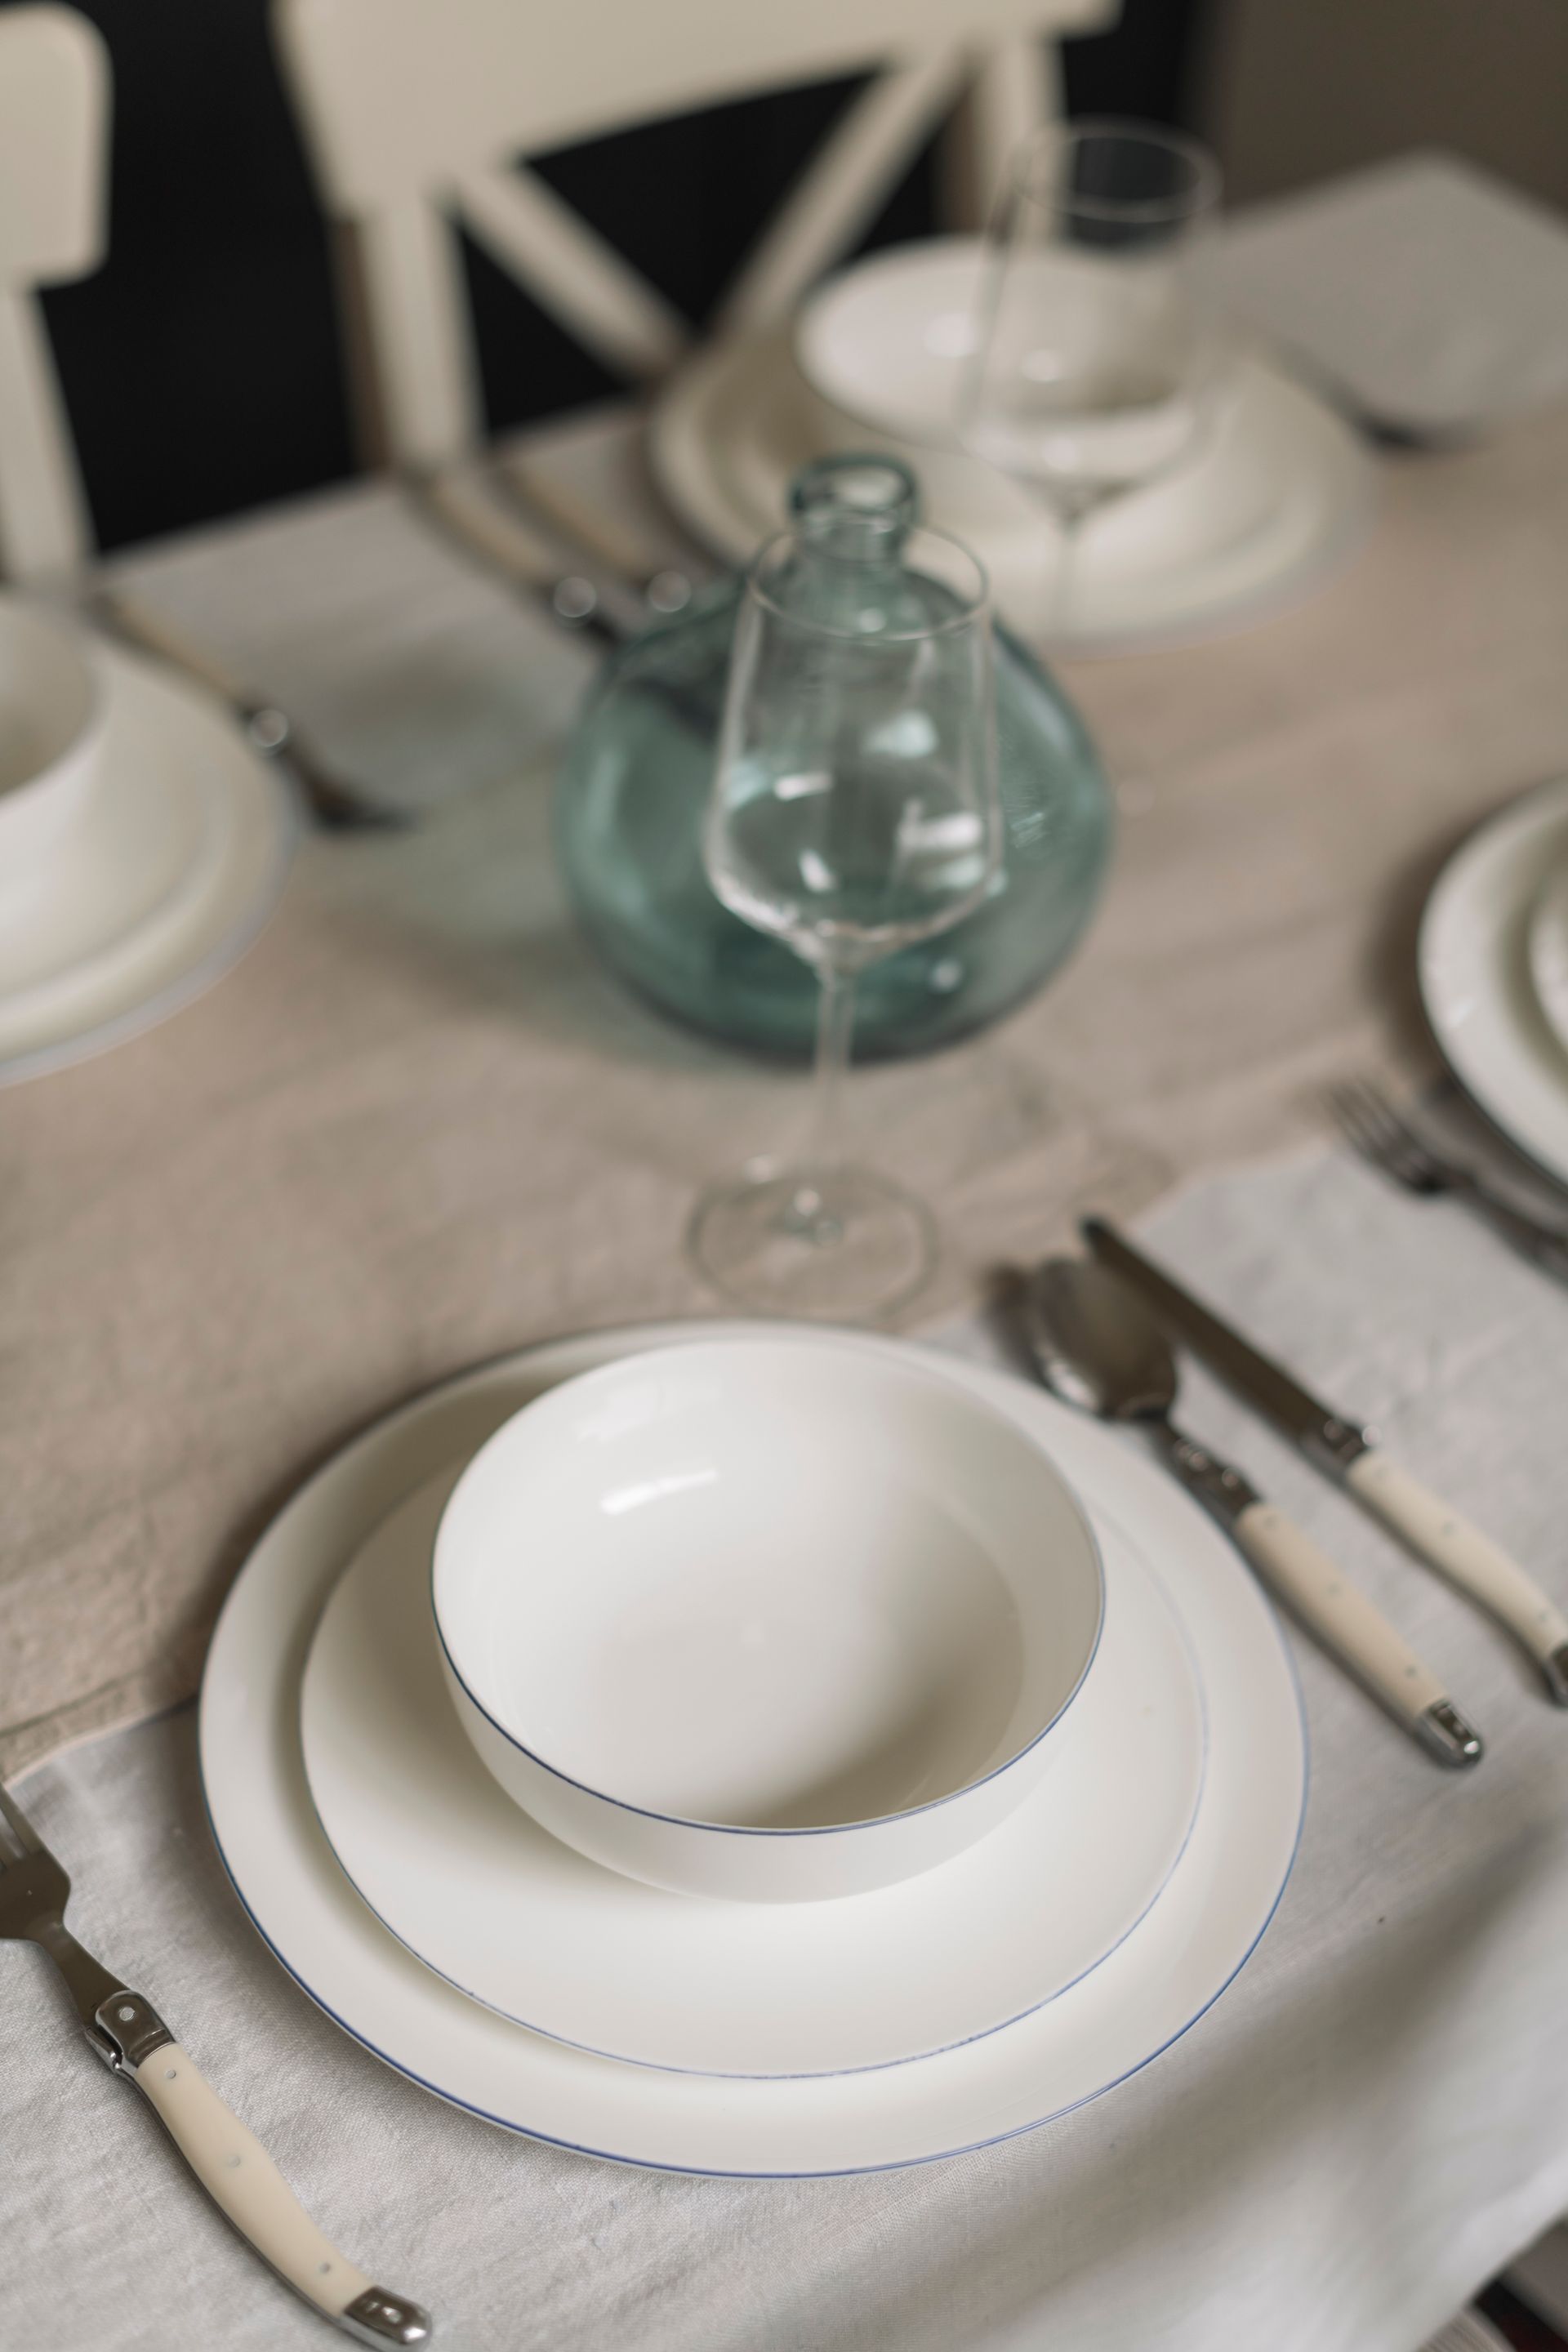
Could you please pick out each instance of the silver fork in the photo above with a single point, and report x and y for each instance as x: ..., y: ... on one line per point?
x: 235, y: 2170
x: 1385, y: 1137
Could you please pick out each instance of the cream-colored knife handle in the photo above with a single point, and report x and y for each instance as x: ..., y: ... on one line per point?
x: 1468, y: 1559
x: 1347, y: 1624
x: 242, y: 2180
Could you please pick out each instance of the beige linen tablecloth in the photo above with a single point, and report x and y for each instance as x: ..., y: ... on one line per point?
x: 418, y: 1124
x: 1368, y: 2125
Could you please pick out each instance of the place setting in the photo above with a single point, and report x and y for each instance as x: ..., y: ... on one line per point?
x: 609, y: 1799
x: 1107, y: 514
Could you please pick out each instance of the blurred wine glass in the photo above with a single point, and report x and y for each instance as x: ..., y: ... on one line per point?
x: 854, y: 811
x: 1093, y: 360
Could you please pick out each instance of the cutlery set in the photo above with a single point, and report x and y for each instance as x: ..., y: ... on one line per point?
x: 1100, y: 1332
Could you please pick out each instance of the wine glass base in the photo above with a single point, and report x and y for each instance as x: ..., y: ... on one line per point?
x: 839, y: 1243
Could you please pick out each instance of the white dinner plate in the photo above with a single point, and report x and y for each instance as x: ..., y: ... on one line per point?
x: 182, y: 855
x: 1474, y: 967
x: 1281, y: 494
x: 1155, y: 1985
x: 514, y: 1918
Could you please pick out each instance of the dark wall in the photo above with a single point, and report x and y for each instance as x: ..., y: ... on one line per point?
x: 201, y: 365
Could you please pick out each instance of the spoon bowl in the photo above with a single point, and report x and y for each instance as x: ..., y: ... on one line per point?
x: 1095, y: 1343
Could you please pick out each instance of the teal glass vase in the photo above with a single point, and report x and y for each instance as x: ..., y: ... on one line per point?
x: 633, y: 790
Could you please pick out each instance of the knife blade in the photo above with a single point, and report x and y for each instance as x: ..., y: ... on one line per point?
x: 1349, y: 1454
x: 1320, y: 1432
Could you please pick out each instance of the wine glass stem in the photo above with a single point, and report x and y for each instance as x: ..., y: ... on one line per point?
x: 834, y: 1027
x: 1058, y: 593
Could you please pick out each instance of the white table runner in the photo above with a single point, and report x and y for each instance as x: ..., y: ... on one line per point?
x: 1364, y: 2128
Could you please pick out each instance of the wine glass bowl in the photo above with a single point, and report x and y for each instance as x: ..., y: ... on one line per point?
x: 1094, y: 360
x: 854, y: 806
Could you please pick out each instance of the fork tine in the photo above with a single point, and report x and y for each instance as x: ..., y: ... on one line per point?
x: 1404, y: 1137
x: 1344, y: 1101
x: 22, y: 1829
x: 1375, y: 1137
x: 1385, y: 1119
x: 1372, y: 1110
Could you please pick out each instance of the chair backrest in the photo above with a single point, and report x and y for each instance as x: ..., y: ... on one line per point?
x: 54, y: 143
x: 417, y: 111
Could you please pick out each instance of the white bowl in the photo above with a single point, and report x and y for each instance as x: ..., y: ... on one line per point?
x: 773, y: 1620
x: 52, y: 719
x: 882, y: 347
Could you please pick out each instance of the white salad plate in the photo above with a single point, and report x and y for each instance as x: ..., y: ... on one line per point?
x: 508, y: 1914
x: 1474, y: 962
x: 1141, y: 1997
x: 1279, y: 496
x: 170, y: 877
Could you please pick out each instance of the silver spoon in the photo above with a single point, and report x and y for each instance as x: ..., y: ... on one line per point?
x: 1098, y: 1347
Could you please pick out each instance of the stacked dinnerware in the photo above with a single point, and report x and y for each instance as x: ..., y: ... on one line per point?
x: 1276, y: 495
x: 732, y: 1749
x: 142, y: 844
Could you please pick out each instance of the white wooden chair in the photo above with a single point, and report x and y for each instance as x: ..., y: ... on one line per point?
x: 417, y: 112
x: 54, y: 146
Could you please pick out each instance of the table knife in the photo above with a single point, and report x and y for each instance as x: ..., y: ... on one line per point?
x: 1348, y: 1453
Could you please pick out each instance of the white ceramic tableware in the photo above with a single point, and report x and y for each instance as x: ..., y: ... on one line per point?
x: 52, y: 715
x: 1546, y: 942
x: 516, y: 1919
x: 881, y: 348
x: 1473, y: 968
x: 1279, y: 496
x: 187, y: 845
x: 764, y: 1620
x: 1155, y: 1985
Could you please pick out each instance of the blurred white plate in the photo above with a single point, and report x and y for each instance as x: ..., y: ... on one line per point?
x: 1547, y: 944
x: 180, y: 862
x: 1474, y: 963
x: 1280, y: 493
x: 1156, y: 1983
x: 502, y: 1910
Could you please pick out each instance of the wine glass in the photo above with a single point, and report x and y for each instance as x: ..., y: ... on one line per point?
x: 1093, y: 363
x: 854, y: 811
